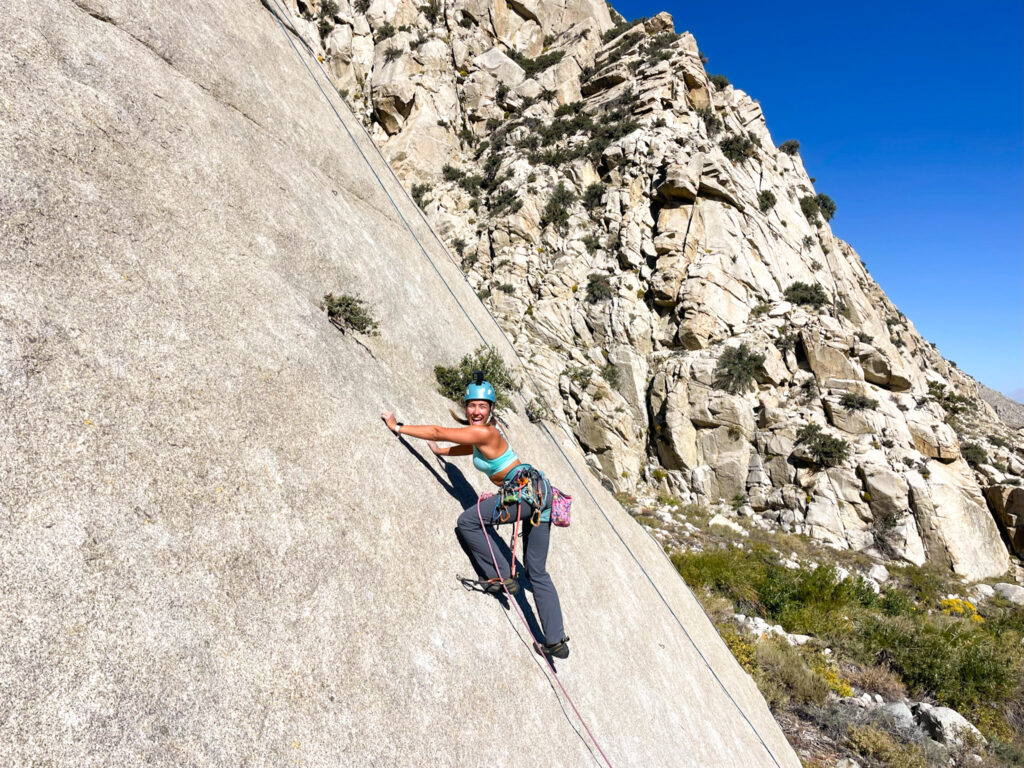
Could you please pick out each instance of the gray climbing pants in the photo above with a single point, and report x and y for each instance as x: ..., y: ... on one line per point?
x: 535, y: 554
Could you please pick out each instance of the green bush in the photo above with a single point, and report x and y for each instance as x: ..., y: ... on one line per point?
x: 811, y: 211
x: 719, y: 81
x: 451, y: 173
x: 535, y: 66
x: 737, y: 148
x: 952, y: 659
x: 864, y: 337
x: 384, y: 31
x: 787, y: 341
x: 974, y: 454
x: 592, y: 243
x: 610, y: 34
x: 802, y: 293
x: 505, y: 202
x: 349, y: 313
x: 578, y: 375
x: 999, y: 441
x: 452, y: 380
x: 827, y: 450
x: 392, y: 53
x: 556, y: 211
x: 599, y: 288
x: 593, y: 194
x: 791, y: 147
x: 712, y: 123
x: 361, y: 6
x: 419, y: 194
x: 660, y: 47
x: 432, y: 11
x: 568, y: 110
x: 537, y: 410
x: 826, y: 206
x: 611, y: 374
x: 737, y: 368
x: 766, y: 200
x: 853, y: 401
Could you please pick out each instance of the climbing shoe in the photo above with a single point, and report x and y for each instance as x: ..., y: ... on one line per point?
x: 494, y: 586
x: 559, y: 650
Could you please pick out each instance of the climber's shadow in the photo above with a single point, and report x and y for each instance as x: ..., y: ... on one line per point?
x: 459, y: 488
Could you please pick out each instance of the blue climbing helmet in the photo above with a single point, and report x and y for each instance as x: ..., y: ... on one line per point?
x: 478, y: 389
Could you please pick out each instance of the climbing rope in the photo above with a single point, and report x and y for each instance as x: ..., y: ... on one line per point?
x: 279, y: 16
x: 536, y: 643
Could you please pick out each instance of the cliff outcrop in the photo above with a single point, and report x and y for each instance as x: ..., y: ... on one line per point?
x: 213, y: 553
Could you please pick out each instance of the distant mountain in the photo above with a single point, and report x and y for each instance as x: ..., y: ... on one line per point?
x: 1009, y: 407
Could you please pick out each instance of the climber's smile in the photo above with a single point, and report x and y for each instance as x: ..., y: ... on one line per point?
x: 477, y: 412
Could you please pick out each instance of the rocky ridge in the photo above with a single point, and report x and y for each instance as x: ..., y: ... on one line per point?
x: 629, y: 218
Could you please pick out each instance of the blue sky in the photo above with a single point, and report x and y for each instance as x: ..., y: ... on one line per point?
x: 911, y: 117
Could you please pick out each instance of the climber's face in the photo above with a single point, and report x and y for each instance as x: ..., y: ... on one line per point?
x: 477, y: 412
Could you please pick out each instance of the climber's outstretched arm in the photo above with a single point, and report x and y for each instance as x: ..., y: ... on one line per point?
x: 465, y: 436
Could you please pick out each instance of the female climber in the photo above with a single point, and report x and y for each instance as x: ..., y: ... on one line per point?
x: 493, y: 456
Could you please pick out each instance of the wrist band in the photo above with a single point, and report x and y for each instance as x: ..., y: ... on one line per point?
x: 398, y: 427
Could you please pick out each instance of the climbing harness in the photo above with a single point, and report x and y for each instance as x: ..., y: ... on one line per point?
x: 280, y: 15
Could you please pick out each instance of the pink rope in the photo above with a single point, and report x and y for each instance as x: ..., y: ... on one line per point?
x: 534, y: 639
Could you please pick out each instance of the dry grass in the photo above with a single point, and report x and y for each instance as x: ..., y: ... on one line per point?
x: 871, y: 741
x: 878, y: 679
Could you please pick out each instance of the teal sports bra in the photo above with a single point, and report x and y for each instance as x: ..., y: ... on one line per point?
x: 494, y: 466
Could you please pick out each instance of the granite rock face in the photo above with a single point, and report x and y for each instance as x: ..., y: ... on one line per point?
x: 213, y: 553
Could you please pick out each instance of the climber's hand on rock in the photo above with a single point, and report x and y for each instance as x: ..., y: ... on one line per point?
x: 389, y: 419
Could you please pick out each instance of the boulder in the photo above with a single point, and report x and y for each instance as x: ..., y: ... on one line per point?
x: 1007, y: 504
x: 675, y: 435
x: 682, y: 178
x: 955, y: 522
x: 827, y: 361
x: 1012, y: 592
x: 716, y: 408
x: 932, y: 437
x: 856, y: 421
x: 727, y: 452
x: 878, y: 370
x: 495, y: 63
x: 899, y: 714
x: 946, y: 726
x: 887, y: 492
x: 672, y: 226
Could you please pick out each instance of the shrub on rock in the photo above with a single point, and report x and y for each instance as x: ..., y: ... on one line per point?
x: 452, y: 380
x: 737, y: 368
x: 766, y: 200
x: 852, y: 401
x: 803, y: 293
x: 790, y: 147
x: 599, y: 288
x: 349, y: 313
